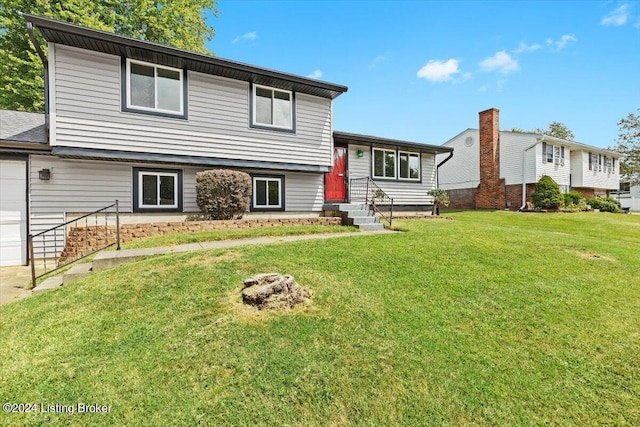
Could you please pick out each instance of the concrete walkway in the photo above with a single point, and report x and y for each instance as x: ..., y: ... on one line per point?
x: 13, y: 280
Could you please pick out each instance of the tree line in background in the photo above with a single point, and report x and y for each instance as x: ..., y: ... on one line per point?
x: 178, y: 23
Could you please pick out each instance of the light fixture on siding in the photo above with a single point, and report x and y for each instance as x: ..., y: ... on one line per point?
x: 44, y: 174
x: 360, y: 153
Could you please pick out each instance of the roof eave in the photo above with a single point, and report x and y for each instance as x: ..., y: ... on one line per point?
x: 49, y: 26
x: 352, y: 138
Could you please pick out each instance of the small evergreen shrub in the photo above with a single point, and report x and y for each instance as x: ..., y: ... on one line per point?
x: 223, y: 193
x: 605, y: 204
x: 547, y: 194
x: 573, y: 199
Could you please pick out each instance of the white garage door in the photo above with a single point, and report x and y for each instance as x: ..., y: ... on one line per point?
x: 13, y: 213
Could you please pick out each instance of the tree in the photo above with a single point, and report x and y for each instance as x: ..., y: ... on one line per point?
x: 547, y: 194
x: 629, y: 144
x: 557, y: 129
x: 440, y: 198
x: 179, y: 23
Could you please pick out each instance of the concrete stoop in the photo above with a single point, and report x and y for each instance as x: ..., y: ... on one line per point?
x: 359, y: 215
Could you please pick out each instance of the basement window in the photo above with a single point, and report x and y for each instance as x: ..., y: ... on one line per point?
x: 268, y: 193
x: 157, y: 190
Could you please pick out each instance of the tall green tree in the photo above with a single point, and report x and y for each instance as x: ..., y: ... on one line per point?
x: 178, y: 23
x: 557, y: 129
x: 628, y: 143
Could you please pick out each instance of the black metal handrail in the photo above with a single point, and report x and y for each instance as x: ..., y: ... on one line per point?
x: 365, y: 190
x: 49, y: 241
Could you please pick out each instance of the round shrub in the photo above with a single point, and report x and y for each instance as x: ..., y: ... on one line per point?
x: 573, y: 198
x: 547, y: 194
x: 223, y: 193
x: 605, y: 204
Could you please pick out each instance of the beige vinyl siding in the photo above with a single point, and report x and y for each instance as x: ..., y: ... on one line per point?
x: 403, y: 192
x: 88, y: 114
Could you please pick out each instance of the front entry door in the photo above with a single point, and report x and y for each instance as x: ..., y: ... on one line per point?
x: 335, y: 182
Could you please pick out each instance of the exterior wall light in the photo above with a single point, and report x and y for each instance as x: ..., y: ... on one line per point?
x: 44, y: 174
x: 360, y: 153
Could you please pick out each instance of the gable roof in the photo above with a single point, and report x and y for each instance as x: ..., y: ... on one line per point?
x: 550, y: 139
x: 21, y: 126
x: 352, y: 138
x: 115, y: 44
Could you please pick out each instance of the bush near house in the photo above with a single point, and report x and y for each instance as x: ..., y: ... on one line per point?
x: 547, y: 194
x: 605, y: 204
x: 574, y: 199
x: 440, y: 198
x: 223, y: 193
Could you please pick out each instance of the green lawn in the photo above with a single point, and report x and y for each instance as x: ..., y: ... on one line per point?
x: 494, y: 318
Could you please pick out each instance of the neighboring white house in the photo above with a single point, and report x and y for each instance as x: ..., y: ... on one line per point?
x: 136, y: 121
x: 491, y: 168
x: 628, y: 196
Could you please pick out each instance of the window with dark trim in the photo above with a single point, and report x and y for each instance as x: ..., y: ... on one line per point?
x: 272, y: 108
x: 268, y: 192
x: 154, y: 89
x: 409, y: 165
x: 384, y: 163
x: 157, y: 190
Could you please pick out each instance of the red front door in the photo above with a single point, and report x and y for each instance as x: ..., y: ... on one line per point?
x: 335, y: 182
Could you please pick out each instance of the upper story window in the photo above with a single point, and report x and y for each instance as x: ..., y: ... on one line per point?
x: 552, y: 154
x: 409, y: 164
x: 154, y: 89
x: 272, y: 108
x: 384, y: 163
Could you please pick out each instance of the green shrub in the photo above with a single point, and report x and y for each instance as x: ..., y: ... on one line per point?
x: 573, y: 198
x: 547, y: 194
x: 223, y: 193
x: 605, y: 204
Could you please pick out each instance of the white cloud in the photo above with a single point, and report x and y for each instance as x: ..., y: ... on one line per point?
x: 618, y: 17
x: 523, y: 47
x: 315, y: 75
x: 246, y: 36
x: 501, y: 62
x: 378, y: 60
x: 439, y: 71
x: 563, y: 42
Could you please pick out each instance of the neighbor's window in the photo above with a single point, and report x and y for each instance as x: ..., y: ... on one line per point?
x: 593, y: 161
x: 409, y: 165
x: 267, y: 192
x: 154, y: 88
x: 384, y: 163
x: 272, y: 107
x: 608, y: 164
x: 547, y: 153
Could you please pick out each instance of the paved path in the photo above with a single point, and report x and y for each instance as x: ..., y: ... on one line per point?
x: 13, y: 280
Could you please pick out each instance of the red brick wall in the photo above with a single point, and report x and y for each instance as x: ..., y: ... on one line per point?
x: 491, y: 191
x: 514, y: 195
x: 589, y: 193
x: 463, y: 198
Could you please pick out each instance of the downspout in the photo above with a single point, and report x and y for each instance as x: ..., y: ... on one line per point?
x: 524, y: 174
x: 438, y: 168
x: 45, y: 64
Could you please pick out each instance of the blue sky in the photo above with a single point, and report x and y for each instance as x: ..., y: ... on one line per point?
x: 422, y: 70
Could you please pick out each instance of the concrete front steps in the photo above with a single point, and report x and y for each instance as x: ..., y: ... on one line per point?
x: 360, y: 215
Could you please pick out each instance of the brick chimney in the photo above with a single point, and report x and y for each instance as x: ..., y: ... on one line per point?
x: 491, y: 191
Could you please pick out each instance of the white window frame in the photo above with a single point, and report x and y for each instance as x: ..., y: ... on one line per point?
x: 373, y: 163
x: 409, y: 154
x: 254, y: 118
x: 255, y: 193
x: 155, y: 82
x: 141, y: 204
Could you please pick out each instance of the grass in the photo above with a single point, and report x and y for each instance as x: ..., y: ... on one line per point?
x: 228, y: 234
x: 495, y: 318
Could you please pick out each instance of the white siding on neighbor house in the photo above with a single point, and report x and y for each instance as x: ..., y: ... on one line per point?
x: 630, y: 199
x: 593, y: 178
x: 87, y: 113
x: 560, y: 173
x: 403, y: 192
x: 463, y: 169
x: 516, y: 148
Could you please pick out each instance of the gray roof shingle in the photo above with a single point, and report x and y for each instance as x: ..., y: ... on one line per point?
x: 21, y: 126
